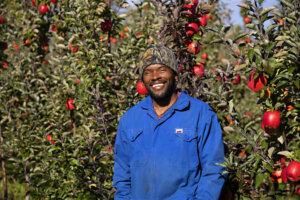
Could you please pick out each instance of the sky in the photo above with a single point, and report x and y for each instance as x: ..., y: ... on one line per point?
x: 235, y: 16
x: 233, y: 6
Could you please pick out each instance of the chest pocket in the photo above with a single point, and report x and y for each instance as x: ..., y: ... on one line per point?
x: 133, y: 134
x: 136, y: 141
x: 185, y: 152
x: 186, y: 134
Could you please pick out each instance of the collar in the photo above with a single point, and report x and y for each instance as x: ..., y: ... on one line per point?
x: 181, y: 103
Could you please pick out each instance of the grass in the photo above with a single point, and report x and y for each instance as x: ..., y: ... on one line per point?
x: 16, y: 191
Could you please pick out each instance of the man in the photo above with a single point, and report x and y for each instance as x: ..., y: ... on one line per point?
x: 168, y: 146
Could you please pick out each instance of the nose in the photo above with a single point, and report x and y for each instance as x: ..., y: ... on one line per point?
x: 155, y: 75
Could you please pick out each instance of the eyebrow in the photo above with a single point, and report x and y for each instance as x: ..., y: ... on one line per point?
x: 163, y: 66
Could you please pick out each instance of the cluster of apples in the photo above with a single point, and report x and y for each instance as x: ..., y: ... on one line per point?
x: 288, y: 172
x: 3, y: 46
x: 195, y: 20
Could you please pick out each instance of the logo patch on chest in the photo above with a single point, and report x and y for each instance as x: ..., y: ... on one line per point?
x: 178, y: 130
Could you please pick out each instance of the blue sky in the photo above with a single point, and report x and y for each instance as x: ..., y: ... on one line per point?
x: 235, y: 16
x: 232, y: 5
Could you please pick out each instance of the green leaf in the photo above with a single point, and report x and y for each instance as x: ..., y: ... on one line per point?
x: 257, y: 51
x: 251, y: 54
x: 267, y: 166
x: 251, y: 26
x: 245, y: 6
x: 286, y: 3
x: 280, y: 139
x: 288, y: 154
x: 297, y: 83
x: 225, y: 29
x: 240, y: 36
x: 282, y: 38
x: 271, y: 151
x: 281, y: 54
x: 266, y: 10
x: 259, y: 179
x: 74, y: 162
x: 271, y: 28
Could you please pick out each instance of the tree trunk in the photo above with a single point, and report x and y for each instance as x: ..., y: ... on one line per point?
x: 4, y: 180
x: 27, y: 180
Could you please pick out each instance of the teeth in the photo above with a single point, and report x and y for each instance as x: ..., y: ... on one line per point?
x: 157, y: 85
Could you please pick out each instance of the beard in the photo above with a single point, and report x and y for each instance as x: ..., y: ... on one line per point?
x: 166, y: 93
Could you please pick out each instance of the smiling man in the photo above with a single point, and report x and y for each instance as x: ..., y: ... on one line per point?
x: 169, y: 146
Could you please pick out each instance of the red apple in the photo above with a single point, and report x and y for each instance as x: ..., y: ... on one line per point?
x: 297, y: 191
x: 113, y: 40
x: 77, y: 81
x: 53, y: 1
x: 280, y: 22
x: 45, y: 47
x: 282, y: 162
x: 199, y: 70
x: 43, y: 8
x: 204, y: 56
x: 236, y: 80
x: 293, y: 171
x: 5, y: 64
x: 187, y: 6
x: 70, y: 104
x: 49, y: 137
x: 247, y: 40
x: 271, y: 120
x: 209, y: 16
x: 2, y: 20
x: 27, y: 42
x: 247, y: 20
x: 106, y: 25
x: 191, y: 28
x: 193, y: 47
x: 33, y: 3
x: 256, y: 84
x: 53, y: 28
x: 290, y: 107
x: 73, y: 49
x: 284, y: 175
x: 202, y: 20
x: 277, y: 173
x: 140, y: 88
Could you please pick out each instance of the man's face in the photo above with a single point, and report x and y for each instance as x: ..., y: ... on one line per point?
x: 160, y: 81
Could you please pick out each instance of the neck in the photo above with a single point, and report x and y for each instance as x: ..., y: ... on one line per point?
x: 162, y: 105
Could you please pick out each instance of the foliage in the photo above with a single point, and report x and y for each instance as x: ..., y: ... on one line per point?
x: 65, y: 81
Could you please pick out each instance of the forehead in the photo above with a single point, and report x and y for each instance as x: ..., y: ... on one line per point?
x: 156, y: 66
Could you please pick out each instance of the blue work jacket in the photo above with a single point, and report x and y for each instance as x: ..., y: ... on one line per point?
x: 174, y: 157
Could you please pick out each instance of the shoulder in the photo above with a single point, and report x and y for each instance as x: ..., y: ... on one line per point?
x: 200, y: 105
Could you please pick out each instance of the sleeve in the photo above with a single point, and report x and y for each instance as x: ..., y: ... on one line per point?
x: 211, y: 153
x: 121, y: 177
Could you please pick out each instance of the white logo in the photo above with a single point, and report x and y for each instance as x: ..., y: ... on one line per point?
x: 178, y: 130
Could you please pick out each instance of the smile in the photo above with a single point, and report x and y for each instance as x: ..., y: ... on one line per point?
x: 157, y: 86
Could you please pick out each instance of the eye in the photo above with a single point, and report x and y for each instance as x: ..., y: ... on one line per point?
x: 146, y: 73
x: 163, y: 69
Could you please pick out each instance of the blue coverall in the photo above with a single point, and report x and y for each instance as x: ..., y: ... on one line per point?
x: 174, y: 157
